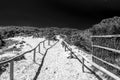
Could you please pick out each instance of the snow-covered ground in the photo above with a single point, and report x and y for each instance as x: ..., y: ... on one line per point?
x: 56, y: 65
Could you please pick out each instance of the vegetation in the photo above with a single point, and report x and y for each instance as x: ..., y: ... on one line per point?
x: 107, y: 26
x: 73, y: 36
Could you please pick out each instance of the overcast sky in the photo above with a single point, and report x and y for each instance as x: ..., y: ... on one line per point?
x: 79, y: 14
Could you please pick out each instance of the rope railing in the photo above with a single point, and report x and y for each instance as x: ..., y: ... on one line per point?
x: 11, y: 60
x: 84, y: 58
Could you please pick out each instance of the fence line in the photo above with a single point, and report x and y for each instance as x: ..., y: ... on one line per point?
x: 3, y: 62
x: 106, y: 48
x: 11, y: 61
x: 92, y: 63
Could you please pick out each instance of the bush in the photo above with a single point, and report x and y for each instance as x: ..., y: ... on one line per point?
x: 107, y: 26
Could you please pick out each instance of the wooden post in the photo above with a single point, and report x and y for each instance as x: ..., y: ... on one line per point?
x: 48, y: 42
x: 65, y: 48
x: 39, y: 48
x: 44, y: 44
x: 34, y: 55
x: 71, y: 54
x: 83, y: 64
x: 92, y: 53
x: 12, y: 70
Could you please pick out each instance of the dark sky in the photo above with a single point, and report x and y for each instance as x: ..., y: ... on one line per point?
x: 79, y: 14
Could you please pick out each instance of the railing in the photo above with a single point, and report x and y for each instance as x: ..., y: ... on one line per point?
x: 84, y: 58
x: 109, y: 49
x: 11, y: 60
x: 105, y: 36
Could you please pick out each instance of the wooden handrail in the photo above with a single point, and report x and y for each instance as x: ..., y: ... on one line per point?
x: 110, y: 49
x: 105, y: 36
x: 94, y: 64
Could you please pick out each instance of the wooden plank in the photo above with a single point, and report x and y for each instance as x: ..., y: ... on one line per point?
x: 110, y: 49
x: 12, y: 70
x: 105, y: 36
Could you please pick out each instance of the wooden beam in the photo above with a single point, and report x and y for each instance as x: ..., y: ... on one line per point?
x: 110, y: 49
x: 48, y: 42
x: 34, y: 55
x: 44, y: 44
x: 115, y: 66
x: 105, y: 36
x: 39, y: 48
x: 83, y: 64
x: 12, y: 70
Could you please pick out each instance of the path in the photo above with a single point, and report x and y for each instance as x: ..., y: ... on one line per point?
x: 58, y: 67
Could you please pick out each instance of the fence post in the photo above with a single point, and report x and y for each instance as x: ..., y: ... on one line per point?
x: 48, y: 42
x: 83, y: 64
x: 92, y: 49
x: 34, y: 55
x: 44, y: 44
x: 65, y: 48
x: 39, y: 48
x: 71, y: 54
x: 12, y: 70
